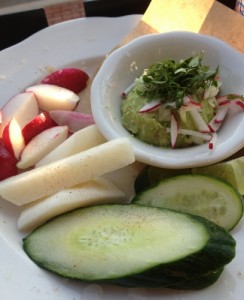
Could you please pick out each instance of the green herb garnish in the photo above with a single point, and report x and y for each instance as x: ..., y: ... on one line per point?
x: 170, y: 81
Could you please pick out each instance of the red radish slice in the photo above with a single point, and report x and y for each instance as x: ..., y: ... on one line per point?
x: 227, y: 97
x: 237, y: 101
x: 191, y: 105
x: 37, y: 125
x: 13, y: 139
x: 22, y: 107
x: 7, y: 162
x: 41, y: 145
x: 220, y: 114
x: 199, y: 122
x: 50, y: 97
x: 218, y: 119
x: 173, y: 130
x: 70, y: 78
x: 212, y: 143
x: 73, y: 119
x: 127, y: 90
x: 150, y: 106
x: 204, y: 136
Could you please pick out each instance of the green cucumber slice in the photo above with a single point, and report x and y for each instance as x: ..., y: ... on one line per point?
x: 201, y: 195
x: 150, y: 175
x: 132, y: 245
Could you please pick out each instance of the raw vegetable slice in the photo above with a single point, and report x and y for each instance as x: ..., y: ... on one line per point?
x: 132, y: 245
x: 91, y: 192
x: 201, y: 195
x: 64, y: 173
x: 79, y: 141
x: 150, y: 175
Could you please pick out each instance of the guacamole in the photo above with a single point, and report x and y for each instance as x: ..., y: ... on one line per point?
x: 185, y: 90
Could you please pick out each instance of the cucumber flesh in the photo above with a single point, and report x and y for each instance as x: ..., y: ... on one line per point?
x: 201, y: 195
x: 131, y: 245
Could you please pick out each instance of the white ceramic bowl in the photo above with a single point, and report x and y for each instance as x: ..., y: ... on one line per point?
x: 121, y: 68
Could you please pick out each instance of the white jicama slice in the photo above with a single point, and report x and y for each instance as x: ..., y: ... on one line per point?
x: 46, y: 180
x: 51, y: 97
x: 91, y: 192
x: 41, y: 145
x: 81, y: 140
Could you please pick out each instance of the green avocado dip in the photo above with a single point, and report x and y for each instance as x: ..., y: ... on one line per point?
x: 173, y: 103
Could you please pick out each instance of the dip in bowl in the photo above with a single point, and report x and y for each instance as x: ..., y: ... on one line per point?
x: 124, y: 65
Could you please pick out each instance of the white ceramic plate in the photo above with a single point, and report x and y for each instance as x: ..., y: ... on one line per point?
x: 78, y: 43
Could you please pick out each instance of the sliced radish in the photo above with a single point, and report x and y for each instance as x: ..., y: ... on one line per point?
x: 73, y: 119
x: 174, y: 128
x: 212, y: 142
x: 202, y: 126
x: 13, y: 139
x: 150, y: 106
x: 191, y: 105
x: 223, y: 98
x: 220, y: 114
x: 204, y: 136
x: 127, y: 90
x: 236, y: 101
x: 218, y: 119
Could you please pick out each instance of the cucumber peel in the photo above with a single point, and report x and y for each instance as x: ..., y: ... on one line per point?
x: 132, y: 245
x: 202, y: 195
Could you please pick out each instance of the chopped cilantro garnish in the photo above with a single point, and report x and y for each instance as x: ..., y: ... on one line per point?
x: 170, y: 81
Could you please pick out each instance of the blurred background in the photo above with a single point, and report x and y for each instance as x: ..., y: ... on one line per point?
x: 21, y: 18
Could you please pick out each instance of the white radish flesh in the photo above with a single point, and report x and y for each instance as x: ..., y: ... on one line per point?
x: 81, y: 140
x: 73, y: 119
x: 52, y: 97
x: 41, y: 145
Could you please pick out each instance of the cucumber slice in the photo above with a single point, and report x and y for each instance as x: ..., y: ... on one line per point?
x: 151, y: 175
x: 132, y: 245
x: 201, y: 195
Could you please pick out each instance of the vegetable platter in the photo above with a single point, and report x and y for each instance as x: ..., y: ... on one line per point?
x: 86, y: 43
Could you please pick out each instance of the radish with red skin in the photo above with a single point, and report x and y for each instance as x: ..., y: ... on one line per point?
x: 41, y: 145
x: 150, y: 106
x: 22, y: 107
x: 73, y: 119
x: 212, y: 142
x: 236, y: 101
x: 13, y: 139
x: 37, y: 125
x: 8, y: 162
x: 73, y: 79
x: 127, y: 90
x: 50, y: 97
